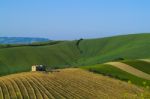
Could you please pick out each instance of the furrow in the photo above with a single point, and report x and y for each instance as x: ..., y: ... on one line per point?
x: 5, y: 90
x: 1, y: 93
x: 59, y: 86
x: 16, y: 88
x: 54, y: 92
x: 38, y: 92
x: 22, y: 88
x: 10, y: 88
x: 46, y: 91
x: 29, y: 87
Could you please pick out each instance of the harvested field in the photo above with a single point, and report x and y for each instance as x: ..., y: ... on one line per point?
x: 66, y: 84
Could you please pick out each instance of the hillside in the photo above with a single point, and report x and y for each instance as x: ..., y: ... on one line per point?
x: 134, y: 71
x: 18, y: 58
x: 66, y: 84
x: 139, y: 64
x: 20, y: 40
x: 133, y: 46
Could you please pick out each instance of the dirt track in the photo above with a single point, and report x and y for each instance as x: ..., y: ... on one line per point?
x: 130, y: 70
x: 146, y: 60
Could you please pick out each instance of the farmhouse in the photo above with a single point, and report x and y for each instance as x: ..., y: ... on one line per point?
x: 38, y: 68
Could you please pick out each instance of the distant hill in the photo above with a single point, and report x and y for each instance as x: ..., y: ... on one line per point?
x: 75, y: 53
x: 20, y: 40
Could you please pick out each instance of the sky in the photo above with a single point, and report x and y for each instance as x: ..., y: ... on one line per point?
x: 73, y: 19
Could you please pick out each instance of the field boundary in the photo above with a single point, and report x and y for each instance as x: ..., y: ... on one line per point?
x: 130, y: 69
x: 145, y: 60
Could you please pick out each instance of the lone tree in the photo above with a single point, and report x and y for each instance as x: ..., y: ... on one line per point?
x: 78, y: 41
x: 77, y: 44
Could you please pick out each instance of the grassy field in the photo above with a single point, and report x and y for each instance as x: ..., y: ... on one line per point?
x: 66, y: 84
x: 141, y: 65
x: 111, y: 71
x: 88, y: 54
x: 130, y: 69
x: 18, y: 58
x: 134, y: 46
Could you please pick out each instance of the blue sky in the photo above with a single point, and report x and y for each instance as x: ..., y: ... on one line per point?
x: 73, y: 19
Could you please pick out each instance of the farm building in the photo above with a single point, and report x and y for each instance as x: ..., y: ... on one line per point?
x: 38, y: 68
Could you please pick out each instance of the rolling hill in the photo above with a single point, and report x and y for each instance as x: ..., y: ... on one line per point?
x: 60, y: 54
x: 66, y: 84
x: 19, y: 59
x: 133, y: 46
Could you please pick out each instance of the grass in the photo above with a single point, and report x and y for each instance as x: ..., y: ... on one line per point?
x: 133, y: 46
x: 141, y: 65
x: 114, y: 72
x: 61, y: 54
x: 65, y: 84
x: 20, y: 59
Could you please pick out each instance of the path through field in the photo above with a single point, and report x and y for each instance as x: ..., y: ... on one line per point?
x: 146, y: 60
x: 130, y: 69
x: 66, y: 84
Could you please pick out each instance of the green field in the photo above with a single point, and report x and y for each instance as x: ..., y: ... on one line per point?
x: 95, y: 68
x: 18, y: 59
x: 135, y: 46
x: 60, y: 54
x: 117, y: 73
x: 141, y: 65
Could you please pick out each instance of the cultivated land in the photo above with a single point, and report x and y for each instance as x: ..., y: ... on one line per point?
x: 122, y: 71
x: 127, y: 59
x: 130, y: 69
x: 65, y: 84
x: 60, y: 54
x: 141, y: 64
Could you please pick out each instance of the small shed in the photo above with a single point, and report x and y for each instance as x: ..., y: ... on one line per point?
x: 33, y: 68
x: 38, y: 68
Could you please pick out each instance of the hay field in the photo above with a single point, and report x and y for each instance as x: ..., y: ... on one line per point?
x: 65, y: 84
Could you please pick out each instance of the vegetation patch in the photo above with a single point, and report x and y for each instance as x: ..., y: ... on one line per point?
x: 83, y: 52
x: 141, y: 65
x: 114, y: 72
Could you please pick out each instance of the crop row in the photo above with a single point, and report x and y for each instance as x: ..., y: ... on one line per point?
x: 67, y: 84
